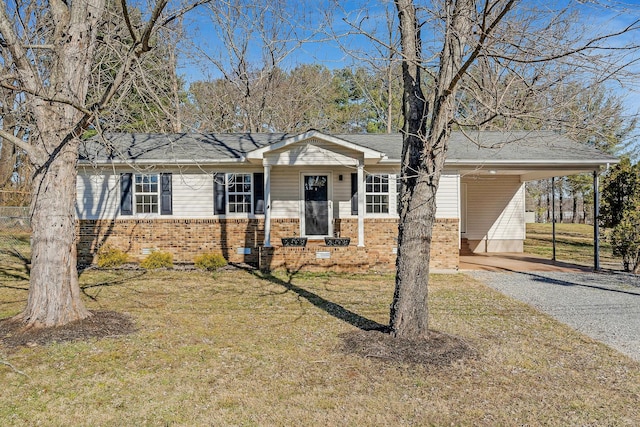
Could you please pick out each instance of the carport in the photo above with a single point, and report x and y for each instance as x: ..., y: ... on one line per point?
x: 491, y: 196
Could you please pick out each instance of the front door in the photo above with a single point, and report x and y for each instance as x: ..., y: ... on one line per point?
x: 316, y: 205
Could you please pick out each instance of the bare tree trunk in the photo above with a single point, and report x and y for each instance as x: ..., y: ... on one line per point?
x: 422, y: 162
x: 55, y: 87
x: 176, y: 120
x: 409, y: 312
x: 389, y: 95
x: 54, y: 294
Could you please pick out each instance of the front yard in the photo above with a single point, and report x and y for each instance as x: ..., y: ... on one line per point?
x: 574, y: 244
x: 238, y: 348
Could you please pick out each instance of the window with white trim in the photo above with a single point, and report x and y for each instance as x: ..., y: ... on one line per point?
x: 146, y: 193
x: 377, y: 193
x: 239, y: 193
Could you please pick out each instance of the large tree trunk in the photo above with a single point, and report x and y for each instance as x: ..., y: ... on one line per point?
x: 409, y: 312
x: 424, y: 149
x: 54, y: 293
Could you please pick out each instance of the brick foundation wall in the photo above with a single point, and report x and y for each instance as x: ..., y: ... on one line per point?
x: 186, y: 238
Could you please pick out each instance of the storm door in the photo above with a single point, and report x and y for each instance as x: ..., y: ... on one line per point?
x: 316, y: 205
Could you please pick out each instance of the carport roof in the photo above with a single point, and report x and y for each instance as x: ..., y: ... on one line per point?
x: 472, y: 149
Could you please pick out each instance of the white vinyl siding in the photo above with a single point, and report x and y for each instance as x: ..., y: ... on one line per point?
x: 495, y: 208
x: 98, y: 192
x: 447, y: 199
x: 285, y: 192
x: 313, y: 153
x: 192, y: 195
x: 342, y: 192
x: 97, y: 195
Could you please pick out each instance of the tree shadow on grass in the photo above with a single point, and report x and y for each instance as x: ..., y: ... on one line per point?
x: 107, y: 283
x: 373, y: 340
x: 331, y: 308
x: 16, y: 265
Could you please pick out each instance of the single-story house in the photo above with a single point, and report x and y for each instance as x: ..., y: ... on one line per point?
x: 241, y: 194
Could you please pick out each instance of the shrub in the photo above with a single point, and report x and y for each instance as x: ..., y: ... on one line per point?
x: 210, y: 261
x: 109, y: 256
x: 157, y: 259
x: 625, y: 241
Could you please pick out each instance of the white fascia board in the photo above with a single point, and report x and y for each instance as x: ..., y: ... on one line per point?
x: 537, y: 164
x: 150, y: 162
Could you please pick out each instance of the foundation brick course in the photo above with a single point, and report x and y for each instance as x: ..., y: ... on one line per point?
x: 241, y: 240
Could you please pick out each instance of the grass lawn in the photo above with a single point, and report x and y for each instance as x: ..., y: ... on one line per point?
x: 574, y: 244
x: 234, y: 348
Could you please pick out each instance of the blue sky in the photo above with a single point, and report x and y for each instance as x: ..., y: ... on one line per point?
x: 322, y: 49
x: 319, y: 48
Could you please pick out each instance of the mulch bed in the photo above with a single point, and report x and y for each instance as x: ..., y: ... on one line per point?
x: 101, y: 324
x: 437, y: 350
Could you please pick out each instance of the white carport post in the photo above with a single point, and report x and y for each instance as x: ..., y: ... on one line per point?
x: 267, y: 206
x: 596, y: 230
x: 361, y: 204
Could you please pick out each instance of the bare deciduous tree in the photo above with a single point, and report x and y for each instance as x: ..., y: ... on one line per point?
x: 252, y: 40
x: 51, y: 48
x: 486, y: 48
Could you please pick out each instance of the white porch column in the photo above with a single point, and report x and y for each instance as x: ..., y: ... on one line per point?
x: 596, y: 229
x: 267, y: 206
x: 361, y: 207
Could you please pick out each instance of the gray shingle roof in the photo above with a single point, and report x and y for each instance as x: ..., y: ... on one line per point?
x: 480, y: 147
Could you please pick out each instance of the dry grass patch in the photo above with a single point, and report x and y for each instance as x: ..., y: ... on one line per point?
x: 235, y: 348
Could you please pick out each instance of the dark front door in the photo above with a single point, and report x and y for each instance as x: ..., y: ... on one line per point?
x: 316, y: 205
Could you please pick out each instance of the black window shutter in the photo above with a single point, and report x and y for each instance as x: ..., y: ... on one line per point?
x: 354, y: 194
x: 166, y: 204
x: 258, y: 193
x: 126, y: 194
x: 219, y: 196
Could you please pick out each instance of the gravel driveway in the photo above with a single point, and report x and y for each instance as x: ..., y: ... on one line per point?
x: 604, y: 306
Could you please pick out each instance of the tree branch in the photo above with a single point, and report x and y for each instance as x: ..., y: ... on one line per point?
x: 46, y: 98
x: 151, y: 23
x: 127, y: 20
x: 182, y: 11
x: 28, y: 74
x: 9, y: 137
x: 486, y: 31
